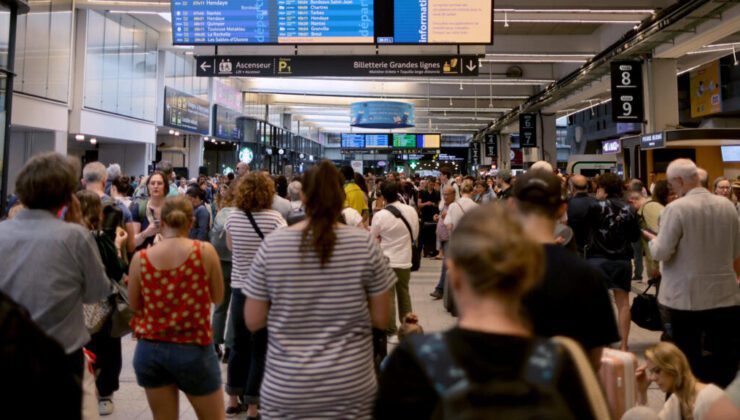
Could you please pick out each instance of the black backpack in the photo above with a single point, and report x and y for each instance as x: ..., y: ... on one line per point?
x: 532, y: 396
x: 112, y: 217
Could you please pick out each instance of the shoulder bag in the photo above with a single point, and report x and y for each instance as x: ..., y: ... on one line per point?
x: 415, y: 249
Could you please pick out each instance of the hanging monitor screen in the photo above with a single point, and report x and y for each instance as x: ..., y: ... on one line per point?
x: 353, y: 141
x: 264, y: 22
x: 428, y: 141
x: 373, y: 141
x: 404, y: 140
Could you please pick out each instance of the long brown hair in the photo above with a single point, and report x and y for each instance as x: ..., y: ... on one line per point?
x: 322, y: 187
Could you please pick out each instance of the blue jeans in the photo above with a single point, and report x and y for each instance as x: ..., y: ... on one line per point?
x: 192, y: 368
x: 247, y: 356
x: 441, y: 284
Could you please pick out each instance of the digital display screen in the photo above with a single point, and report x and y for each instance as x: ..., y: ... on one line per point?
x: 404, y: 140
x: 265, y: 22
x: 185, y: 111
x: 353, y: 141
x: 428, y: 141
x: 376, y: 141
x: 225, y: 123
x: 730, y: 153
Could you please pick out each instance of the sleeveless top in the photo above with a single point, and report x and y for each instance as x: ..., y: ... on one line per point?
x: 176, y: 304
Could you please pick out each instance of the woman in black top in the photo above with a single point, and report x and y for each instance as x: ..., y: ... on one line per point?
x: 491, y: 265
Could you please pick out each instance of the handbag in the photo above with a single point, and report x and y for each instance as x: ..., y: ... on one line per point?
x: 96, y: 314
x: 122, y: 313
x: 645, y: 311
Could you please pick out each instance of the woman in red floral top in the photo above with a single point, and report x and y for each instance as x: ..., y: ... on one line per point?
x: 171, y: 287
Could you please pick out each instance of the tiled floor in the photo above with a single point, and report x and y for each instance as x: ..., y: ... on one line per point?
x: 131, y: 402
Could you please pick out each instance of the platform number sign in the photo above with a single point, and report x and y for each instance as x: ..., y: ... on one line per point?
x: 491, y: 145
x: 528, y: 130
x: 627, y: 96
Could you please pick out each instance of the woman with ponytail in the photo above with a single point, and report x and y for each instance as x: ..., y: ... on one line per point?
x: 171, y: 287
x: 324, y: 285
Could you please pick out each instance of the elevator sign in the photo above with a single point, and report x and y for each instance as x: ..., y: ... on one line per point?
x: 627, y: 97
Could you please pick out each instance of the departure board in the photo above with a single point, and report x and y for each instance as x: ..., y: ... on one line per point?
x: 404, y: 140
x: 211, y: 22
x: 270, y: 22
x: 376, y: 141
x: 353, y: 141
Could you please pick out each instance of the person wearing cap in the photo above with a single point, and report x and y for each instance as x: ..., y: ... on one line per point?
x: 613, y: 227
x: 570, y: 286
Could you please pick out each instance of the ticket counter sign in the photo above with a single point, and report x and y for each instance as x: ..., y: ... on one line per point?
x: 706, y: 90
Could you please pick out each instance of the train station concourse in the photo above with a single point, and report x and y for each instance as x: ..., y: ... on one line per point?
x: 355, y: 209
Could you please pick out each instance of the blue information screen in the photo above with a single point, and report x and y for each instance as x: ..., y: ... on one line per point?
x: 273, y: 22
x: 376, y: 140
x: 353, y: 141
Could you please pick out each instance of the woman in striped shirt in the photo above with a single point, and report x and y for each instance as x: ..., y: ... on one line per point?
x: 246, y: 227
x: 319, y: 286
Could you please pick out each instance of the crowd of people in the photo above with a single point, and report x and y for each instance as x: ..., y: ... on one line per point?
x: 299, y: 284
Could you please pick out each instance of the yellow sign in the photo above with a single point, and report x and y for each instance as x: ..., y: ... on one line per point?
x: 706, y: 91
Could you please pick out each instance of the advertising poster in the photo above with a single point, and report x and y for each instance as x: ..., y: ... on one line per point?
x: 706, y: 90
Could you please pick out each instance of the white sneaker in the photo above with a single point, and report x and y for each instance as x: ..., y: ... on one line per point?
x: 105, y: 407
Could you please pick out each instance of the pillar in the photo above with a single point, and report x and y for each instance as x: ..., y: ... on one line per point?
x: 504, y: 151
x: 547, y: 133
x: 661, y: 94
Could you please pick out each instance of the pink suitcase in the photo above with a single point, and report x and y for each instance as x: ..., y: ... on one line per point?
x: 617, y: 376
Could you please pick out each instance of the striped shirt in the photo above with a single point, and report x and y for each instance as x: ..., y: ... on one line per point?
x: 320, y: 354
x: 245, y: 241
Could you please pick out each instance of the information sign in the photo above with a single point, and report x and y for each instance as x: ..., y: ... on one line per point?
x: 185, y: 111
x: 226, y: 124
x: 377, y: 141
x: 404, y: 140
x: 491, y: 145
x: 428, y: 141
x: 627, y: 95
x: 353, y: 141
x: 528, y: 130
x: 652, y: 141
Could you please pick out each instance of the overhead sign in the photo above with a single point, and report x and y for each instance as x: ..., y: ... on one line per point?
x: 382, y: 114
x: 491, y: 145
x: 627, y: 96
x: 474, y: 153
x: 338, y: 65
x: 185, y: 111
x: 528, y: 130
x: 226, y: 123
x: 611, y: 147
x: 264, y: 22
x: 706, y: 90
x: 652, y: 141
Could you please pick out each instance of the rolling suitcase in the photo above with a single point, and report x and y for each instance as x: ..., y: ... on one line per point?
x: 617, y: 376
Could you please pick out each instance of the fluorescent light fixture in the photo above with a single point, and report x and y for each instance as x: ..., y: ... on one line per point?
x: 134, y: 12
x: 592, y: 105
x: 80, y: 137
x: 166, y: 16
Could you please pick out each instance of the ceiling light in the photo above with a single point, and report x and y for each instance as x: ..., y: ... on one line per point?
x: 93, y: 141
x: 172, y: 132
x: 461, y: 86
x: 581, y: 11
x: 80, y: 137
x: 506, y: 20
x: 734, y: 55
x: 205, y: 138
x: 177, y: 133
x: 578, y: 21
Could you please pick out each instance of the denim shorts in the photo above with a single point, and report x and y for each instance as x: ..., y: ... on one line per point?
x: 618, y: 273
x: 192, y: 368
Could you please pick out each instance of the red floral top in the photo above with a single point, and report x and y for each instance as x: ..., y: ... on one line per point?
x: 176, y: 303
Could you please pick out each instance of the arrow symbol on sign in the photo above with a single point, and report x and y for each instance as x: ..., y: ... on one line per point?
x: 471, y: 66
x: 204, y: 66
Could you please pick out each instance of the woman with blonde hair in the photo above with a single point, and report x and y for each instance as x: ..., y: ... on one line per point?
x: 668, y: 367
x: 171, y: 287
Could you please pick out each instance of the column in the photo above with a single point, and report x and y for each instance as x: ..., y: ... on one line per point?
x: 547, y: 133
x: 504, y: 151
x: 661, y: 94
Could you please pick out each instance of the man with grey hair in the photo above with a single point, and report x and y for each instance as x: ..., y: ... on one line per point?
x: 114, y: 171
x: 503, y: 184
x: 94, y: 176
x: 699, y: 249
x: 703, y: 177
